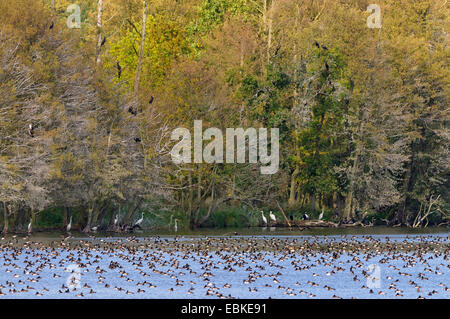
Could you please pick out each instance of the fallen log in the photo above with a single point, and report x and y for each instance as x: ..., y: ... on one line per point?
x: 315, y: 223
x: 284, y: 215
x: 305, y: 223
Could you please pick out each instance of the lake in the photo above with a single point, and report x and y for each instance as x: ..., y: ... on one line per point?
x: 376, y: 262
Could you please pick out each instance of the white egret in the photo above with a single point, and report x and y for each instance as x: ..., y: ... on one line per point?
x: 264, y: 218
x: 69, y: 226
x: 176, y: 226
x: 321, y: 216
x: 272, y: 216
x: 139, y: 222
x: 29, y: 226
x: 116, y: 219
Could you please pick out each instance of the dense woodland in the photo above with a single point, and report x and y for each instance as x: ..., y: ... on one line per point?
x: 86, y: 113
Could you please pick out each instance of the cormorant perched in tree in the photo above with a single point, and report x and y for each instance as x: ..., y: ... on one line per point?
x: 277, y: 49
x: 327, y: 66
x: 132, y: 111
x: 119, y: 70
x: 52, y: 25
x: 151, y: 100
x: 324, y: 47
x: 137, y: 139
x: 317, y: 44
x: 103, y: 42
x: 291, y: 217
x: 31, y: 130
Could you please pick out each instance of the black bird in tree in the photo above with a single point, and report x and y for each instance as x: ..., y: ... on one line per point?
x: 132, y: 111
x: 151, y: 100
x: 103, y: 42
x: 291, y: 217
x: 327, y: 66
x: 119, y: 70
x: 324, y: 47
x: 317, y: 44
x: 52, y: 25
x: 137, y: 139
x: 31, y: 130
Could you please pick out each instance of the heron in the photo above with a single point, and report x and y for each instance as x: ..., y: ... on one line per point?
x: 29, y: 226
x: 272, y: 216
x: 176, y: 225
x: 116, y: 220
x: 139, y: 222
x: 69, y: 226
x: 264, y: 218
x: 321, y: 215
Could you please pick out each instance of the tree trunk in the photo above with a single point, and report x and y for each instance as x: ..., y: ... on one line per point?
x: 348, y: 211
x: 292, y: 200
x: 401, y: 215
x: 130, y: 213
x: 33, y: 218
x: 87, y: 229
x: 269, y: 40
x: 96, y: 213
x: 191, y: 216
x: 199, y: 188
x: 65, y: 217
x: 348, y: 206
x: 99, y: 30
x: 104, y: 211
x: 137, y: 79
x: 335, y: 204
x: 313, y: 201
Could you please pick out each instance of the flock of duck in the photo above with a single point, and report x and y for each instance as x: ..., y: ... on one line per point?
x: 395, y: 266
